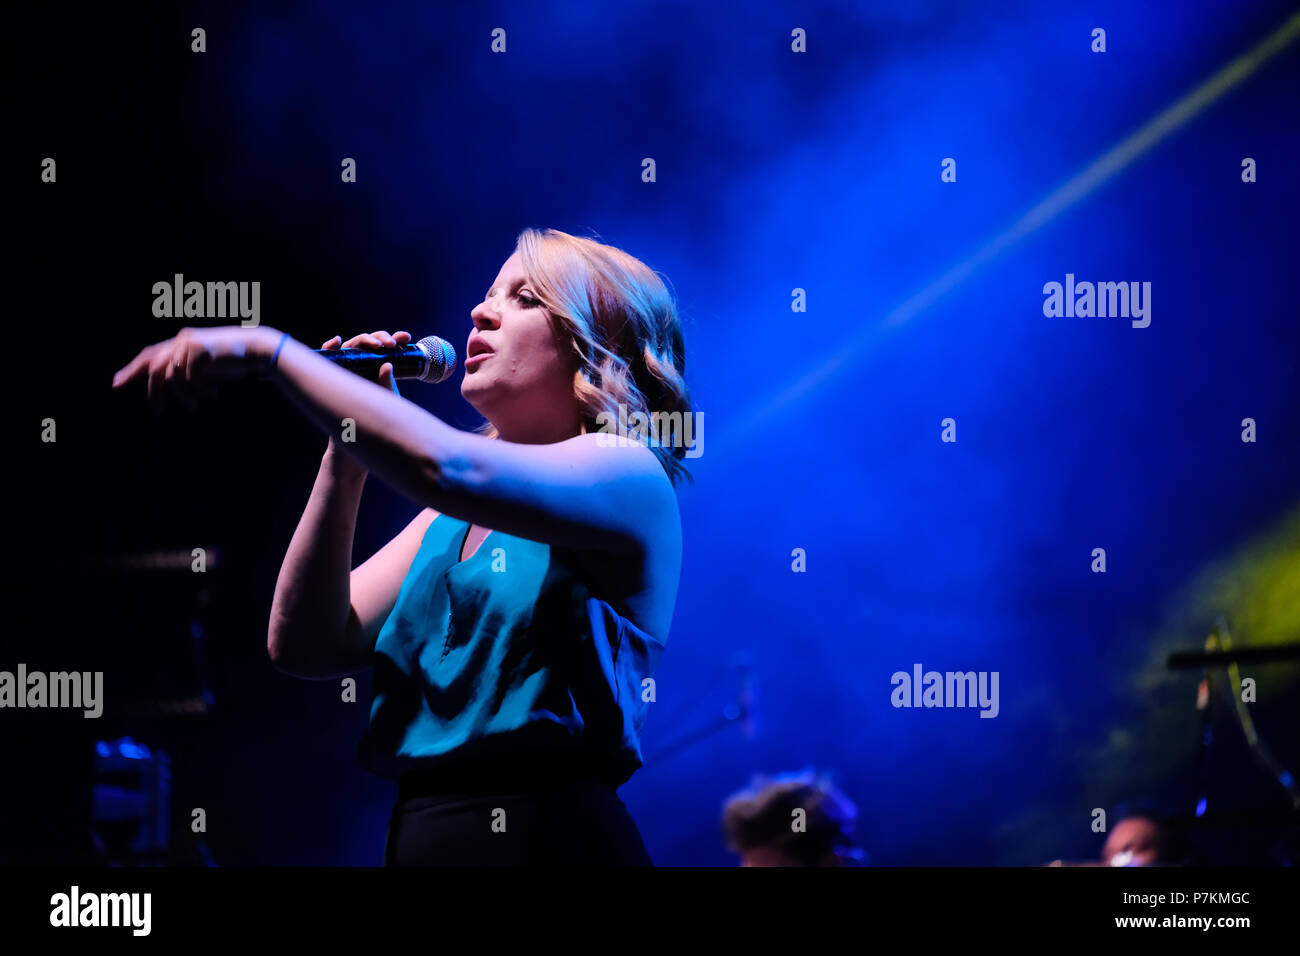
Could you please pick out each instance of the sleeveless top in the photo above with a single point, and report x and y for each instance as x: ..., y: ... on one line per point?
x: 505, y: 656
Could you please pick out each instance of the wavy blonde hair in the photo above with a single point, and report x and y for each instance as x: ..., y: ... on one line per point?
x: 622, y: 325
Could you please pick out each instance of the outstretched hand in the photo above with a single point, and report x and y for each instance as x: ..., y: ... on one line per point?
x: 187, y: 365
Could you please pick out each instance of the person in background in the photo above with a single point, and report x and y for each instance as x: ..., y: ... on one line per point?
x: 797, y: 819
x: 1140, y: 838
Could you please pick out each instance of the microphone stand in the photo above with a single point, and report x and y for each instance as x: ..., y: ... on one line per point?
x: 740, y: 710
x: 1219, y: 652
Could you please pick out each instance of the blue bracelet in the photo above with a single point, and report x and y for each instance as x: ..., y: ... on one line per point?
x: 276, y: 355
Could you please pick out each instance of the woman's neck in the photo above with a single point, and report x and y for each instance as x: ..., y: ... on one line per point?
x: 538, y: 433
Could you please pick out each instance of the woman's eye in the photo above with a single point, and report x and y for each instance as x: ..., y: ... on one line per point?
x: 528, y: 300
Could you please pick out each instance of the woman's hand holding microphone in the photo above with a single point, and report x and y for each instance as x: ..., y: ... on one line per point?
x: 375, y: 340
x: 334, y: 454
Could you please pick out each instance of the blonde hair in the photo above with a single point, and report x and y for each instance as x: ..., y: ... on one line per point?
x: 623, y: 326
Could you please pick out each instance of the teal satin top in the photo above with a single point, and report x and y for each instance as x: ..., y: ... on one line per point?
x: 504, y: 654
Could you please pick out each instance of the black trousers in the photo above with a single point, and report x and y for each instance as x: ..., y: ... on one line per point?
x: 552, y: 822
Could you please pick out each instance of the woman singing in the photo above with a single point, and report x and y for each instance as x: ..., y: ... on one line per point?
x: 513, y: 624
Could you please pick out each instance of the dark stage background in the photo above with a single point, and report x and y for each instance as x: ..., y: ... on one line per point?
x: 776, y: 171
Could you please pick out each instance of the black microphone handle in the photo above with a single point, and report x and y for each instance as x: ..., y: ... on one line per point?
x: 409, y: 361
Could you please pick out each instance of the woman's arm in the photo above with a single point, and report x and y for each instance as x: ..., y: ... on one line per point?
x: 575, y: 493
x: 325, y: 619
x: 305, y: 638
x: 310, y: 633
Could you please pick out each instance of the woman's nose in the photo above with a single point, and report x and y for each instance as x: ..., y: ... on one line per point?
x: 483, y: 315
x: 486, y: 311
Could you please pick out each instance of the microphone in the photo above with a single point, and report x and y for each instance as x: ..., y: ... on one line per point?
x: 430, y: 360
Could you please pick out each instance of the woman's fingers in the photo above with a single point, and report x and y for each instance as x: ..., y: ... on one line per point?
x: 183, y: 368
x: 154, y: 376
x: 170, y: 374
x: 176, y: 378
x: 378, y: 340
x: 332, y: 343
x: 131, y: 370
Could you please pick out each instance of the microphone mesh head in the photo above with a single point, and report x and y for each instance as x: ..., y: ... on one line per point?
x: 442, y: 359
